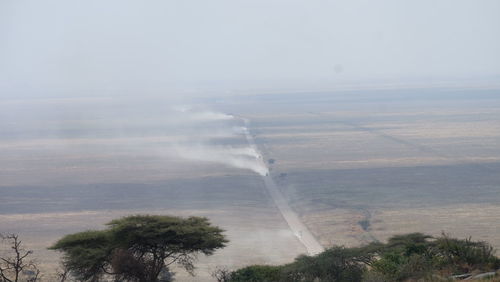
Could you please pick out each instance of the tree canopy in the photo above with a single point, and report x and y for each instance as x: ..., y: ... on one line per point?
x: 140, y: 247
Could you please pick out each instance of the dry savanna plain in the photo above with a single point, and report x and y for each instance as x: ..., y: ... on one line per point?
x: 359, y: 167
x: 355, y: 166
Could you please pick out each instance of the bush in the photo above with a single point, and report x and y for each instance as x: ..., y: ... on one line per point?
x: 257, y: 273
x: 465, y: 255
x: 409, y: 257
x: 334, y: 264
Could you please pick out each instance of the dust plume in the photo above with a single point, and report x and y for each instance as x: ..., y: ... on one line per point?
x: 202, y: 146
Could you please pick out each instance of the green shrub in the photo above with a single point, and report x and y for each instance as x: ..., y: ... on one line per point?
x: 409, y: 257
x: 257, y: 273
x: 465, y: 255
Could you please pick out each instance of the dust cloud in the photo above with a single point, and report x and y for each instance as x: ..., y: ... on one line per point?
x: 200, y: 147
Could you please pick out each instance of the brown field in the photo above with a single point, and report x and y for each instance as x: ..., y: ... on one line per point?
x: 355, y: 166
x: 395, y: 163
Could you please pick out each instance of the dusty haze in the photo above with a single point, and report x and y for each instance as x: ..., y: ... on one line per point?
x: 177, y: 48
x: 384, y: 113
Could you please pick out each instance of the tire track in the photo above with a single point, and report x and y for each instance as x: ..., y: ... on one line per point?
x: 298, y: 228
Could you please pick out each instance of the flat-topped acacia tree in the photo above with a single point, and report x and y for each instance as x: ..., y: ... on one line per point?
x: 139, y: 247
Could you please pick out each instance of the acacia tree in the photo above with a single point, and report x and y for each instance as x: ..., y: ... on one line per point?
x: 139, y: 248
x: 15, y: 261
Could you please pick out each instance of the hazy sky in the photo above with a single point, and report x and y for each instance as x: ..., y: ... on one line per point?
x: 71, y: 46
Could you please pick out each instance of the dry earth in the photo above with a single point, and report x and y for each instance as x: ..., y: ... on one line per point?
x: 356, y: 166
x: 359, y: 169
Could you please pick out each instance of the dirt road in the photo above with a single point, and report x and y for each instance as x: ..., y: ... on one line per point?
x: 298, y: 228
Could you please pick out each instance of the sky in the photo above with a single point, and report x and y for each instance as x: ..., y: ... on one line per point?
x: 116, y: 46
